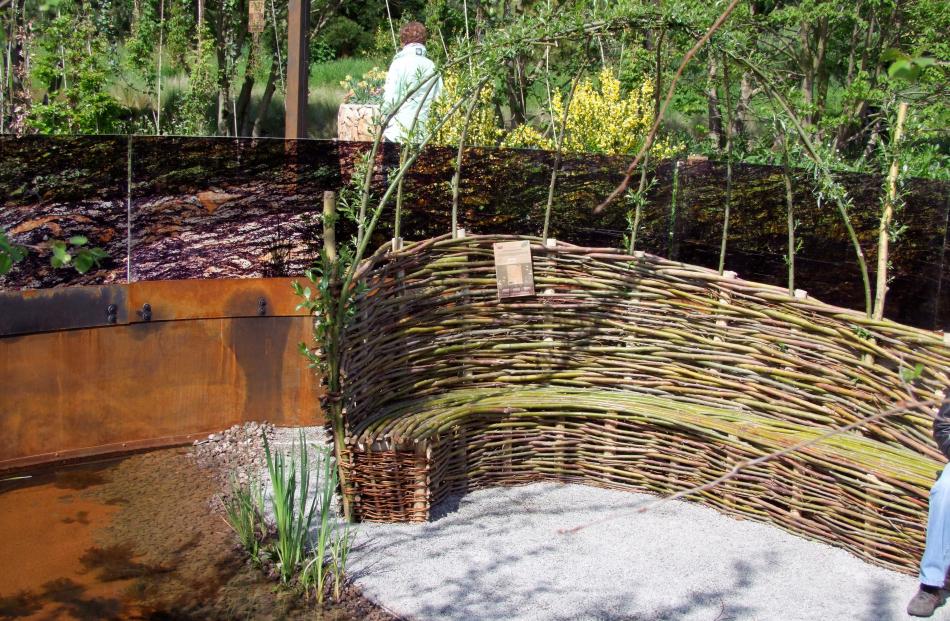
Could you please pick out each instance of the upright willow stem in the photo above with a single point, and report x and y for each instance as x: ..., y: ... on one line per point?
x: 334, y: 406
x: 430, y: 80
x: 558, y: 153
x: 890, y: 200
x: 642, y: 187
x: 457, y: 177
x: 790, y: 210
x: 673, y: 193
x: 725, y: 216
x: 403, y: 151
x: 638, y: 208
x: 397, y: 218
x: 821, y: 168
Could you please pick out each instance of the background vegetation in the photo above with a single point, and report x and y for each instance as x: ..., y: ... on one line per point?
x: 191, y: 67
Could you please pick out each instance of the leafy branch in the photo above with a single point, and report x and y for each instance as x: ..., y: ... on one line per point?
x: 73, y: 252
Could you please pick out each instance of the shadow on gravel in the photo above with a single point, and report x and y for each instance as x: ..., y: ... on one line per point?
x: 498, y: 554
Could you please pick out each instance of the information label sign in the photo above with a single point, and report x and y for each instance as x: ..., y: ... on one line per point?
x: 513, y: 270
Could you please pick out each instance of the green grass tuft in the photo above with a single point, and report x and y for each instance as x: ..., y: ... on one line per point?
x: 333, y: 72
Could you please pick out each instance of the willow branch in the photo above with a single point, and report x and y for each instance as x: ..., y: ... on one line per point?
x: 559, y: 154
x: 651, y: 137
x: 457, y: 177
x: 646, y: 505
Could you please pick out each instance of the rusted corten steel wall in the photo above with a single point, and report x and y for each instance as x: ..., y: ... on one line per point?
x: 102, y: 369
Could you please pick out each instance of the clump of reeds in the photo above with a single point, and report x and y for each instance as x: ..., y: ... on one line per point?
x: 329, y: 552
x: 292, y: 505
x: 295, y: 502
x: 244, y: 510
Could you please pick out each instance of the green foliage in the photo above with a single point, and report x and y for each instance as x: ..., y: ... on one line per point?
x: 331, y: 73
x: 296, y: 500
x: 70, y: 253
x: 345, y: 37
x: 74, y: 252
x: 244, y: 511
x: 601, y: 119
x: 141, y: 46
x: 320, y: 300
x: 861, y: 333
x: 180, y: 28
x: 484, y: 126
x: 10, y: 253
x: 74, y: 65
x: 366, y: 89
x: 293, y: 511
x: 909, y: 375
x: 329, y: 552
x: 906, y: 67
x: 192, y: 118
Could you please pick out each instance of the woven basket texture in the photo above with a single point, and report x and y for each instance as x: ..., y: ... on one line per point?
x: 639, y: 373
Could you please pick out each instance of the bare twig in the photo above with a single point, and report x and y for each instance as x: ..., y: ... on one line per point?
x: 651, y: 137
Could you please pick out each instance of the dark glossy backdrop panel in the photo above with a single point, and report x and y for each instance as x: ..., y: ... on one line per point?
x: 55, y: 187
x: 224, y: 208
x: 825, y: 263
x: 505, y: 192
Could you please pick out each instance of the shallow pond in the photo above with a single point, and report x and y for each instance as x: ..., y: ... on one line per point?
x: 130, y: 538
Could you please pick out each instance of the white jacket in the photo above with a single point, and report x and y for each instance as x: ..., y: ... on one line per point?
x: 409, y: 68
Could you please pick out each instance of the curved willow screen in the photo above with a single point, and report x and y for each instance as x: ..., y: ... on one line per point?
x: 635, y: 372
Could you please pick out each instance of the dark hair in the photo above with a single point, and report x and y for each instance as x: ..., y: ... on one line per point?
x: 413, y: 32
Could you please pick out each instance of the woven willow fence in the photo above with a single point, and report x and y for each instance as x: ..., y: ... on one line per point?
x: 639, y: 373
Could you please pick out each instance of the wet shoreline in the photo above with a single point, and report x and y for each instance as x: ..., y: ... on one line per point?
x: 135, y: 538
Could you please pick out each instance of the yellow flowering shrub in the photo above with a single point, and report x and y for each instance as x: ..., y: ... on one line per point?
x: 365, y: 90
x: 483, y: 128
x: 601, y: 119
x: 527, y: 137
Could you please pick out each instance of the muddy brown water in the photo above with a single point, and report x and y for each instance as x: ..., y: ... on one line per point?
x: 130, y: 538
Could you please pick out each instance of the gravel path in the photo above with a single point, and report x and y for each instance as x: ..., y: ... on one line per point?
x: 497, y: 554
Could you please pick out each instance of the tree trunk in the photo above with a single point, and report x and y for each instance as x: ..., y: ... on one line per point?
x: 820, y: 70
x: 265, y: 100
x: 807, y: 68
x: 713, y: 113
x: 223, y: 88
x: 742, y: 117
x: 243, y: 104
x: 514, y: 82
x: 20, y: 67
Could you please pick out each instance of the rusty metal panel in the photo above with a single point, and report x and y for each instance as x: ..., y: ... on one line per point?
x: 170, y: 300
x: 98, y: 390
x: 46, y: 310
x: 69, y: 308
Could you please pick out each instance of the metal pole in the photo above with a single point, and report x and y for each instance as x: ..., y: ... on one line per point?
x: 298, y: 68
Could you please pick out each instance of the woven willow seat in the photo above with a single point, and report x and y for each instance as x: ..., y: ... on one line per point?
x: 636, y: 373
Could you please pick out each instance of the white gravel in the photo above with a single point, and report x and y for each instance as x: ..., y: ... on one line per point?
x: 497, y: 554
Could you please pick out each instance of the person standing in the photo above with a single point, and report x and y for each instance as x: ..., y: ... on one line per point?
x: 410, y: 69
x: 936, y: 559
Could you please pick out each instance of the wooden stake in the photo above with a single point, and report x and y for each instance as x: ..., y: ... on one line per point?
x: 329, y: 225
